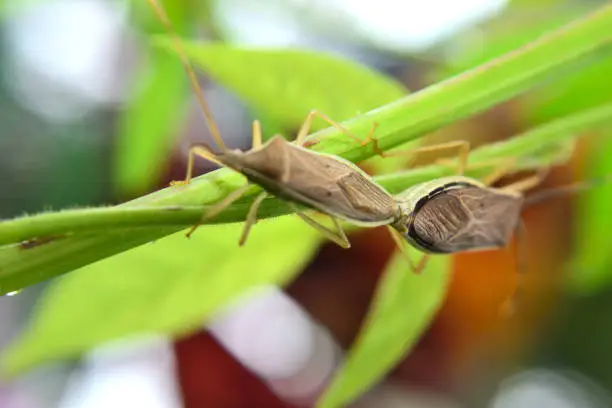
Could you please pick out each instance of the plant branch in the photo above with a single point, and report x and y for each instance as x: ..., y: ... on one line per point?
x: 528, y: 147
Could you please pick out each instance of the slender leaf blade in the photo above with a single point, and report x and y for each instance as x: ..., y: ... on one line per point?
x: 590, y: 270
x: 147, y: 129
x: 402, y: 309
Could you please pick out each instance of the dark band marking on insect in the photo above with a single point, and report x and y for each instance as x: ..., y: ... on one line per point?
x: 432, y: 194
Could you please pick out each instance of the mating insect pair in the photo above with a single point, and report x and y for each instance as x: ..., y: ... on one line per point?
x: 447, y: 215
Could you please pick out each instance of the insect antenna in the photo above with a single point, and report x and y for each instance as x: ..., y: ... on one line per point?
x: 178, y: 45
x: 510, y: 305
x: 555, y: 192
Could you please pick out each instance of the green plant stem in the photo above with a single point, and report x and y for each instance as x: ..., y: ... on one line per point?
x: 90, y: 220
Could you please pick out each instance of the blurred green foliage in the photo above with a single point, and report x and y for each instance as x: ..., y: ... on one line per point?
x: 174, y: 285
x: 402, y: 308
x: 591, y: 269
x: 171, y: 286
x: 147, y: 130
x: 285, y: 84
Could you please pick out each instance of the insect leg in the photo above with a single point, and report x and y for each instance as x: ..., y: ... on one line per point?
x: 286, y: 167
x: 505, y: 168
x: 257, y: 139
x: 202, y: 151
x: 220, y: 206
x: 305, y: 129
x: 251, y: 217
x: 399, y: 241
x: 509, y: 306
x: 338, y: 236
x: 528, y: 182
x: 178, y: 46
x: 422, y: 263
x: 463, y: 147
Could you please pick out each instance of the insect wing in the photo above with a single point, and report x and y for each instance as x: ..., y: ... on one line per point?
x: 325, y: 183
x: 467, y: 219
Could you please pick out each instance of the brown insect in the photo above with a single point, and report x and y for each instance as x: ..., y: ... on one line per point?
x: 320, y: 181
x: 459, y: 214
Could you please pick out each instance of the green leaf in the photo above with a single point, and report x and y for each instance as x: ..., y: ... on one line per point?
x: 170, y: 286
x: 148, y: 126
x: 587, y: 88
x: 581, y: 89
x: 402, y: 309
x: 285, y: 84
x: 510, y: 32
x: 591, y: 269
